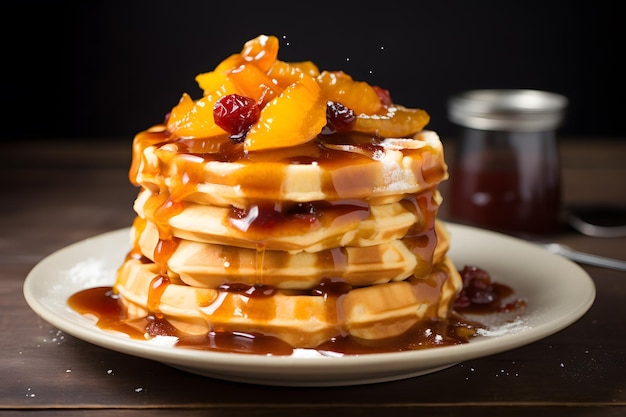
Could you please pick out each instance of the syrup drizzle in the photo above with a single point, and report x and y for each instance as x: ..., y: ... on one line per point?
x: 260, y: 216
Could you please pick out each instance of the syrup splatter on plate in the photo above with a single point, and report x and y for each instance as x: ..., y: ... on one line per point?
x: 557, y: 292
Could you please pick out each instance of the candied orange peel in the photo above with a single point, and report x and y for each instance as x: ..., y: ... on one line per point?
x: 292, y: 97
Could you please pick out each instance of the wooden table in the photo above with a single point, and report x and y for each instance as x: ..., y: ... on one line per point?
x: 58, y: 192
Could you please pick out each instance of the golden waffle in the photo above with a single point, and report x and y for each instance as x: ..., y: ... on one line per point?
x: 289, y: 202
x: 298, y: 318
x: 347, y: 223
x: 387, y: 247
x: 315, y: 171
x: 209, y: 265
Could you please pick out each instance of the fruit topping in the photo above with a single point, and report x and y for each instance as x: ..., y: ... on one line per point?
x: 250, y: 81
x: 339, y: 118
x: 398, y: 122
x: 477, y: 287
x: 268, y: 104
x: 480, y: 294
x: 218, y: 82
x: 235, y: 114
x: 358, y: 95
x: 285, y: 74
x: 194, y: 119
x: 262, y: 51
x: 295, y: 117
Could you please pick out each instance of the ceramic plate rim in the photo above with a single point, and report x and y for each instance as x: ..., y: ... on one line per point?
x: 59, y: 274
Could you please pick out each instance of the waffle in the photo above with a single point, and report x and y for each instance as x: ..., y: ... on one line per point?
x: 288, y: 202
x: 209, y: 265
x: 298, y: 318
x: 294, y: 228
x: 314, y: 171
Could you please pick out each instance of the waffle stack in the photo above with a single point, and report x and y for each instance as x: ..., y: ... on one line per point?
x: 333, y: 236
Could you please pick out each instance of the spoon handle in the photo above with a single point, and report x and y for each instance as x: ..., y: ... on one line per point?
x: 587, y: 258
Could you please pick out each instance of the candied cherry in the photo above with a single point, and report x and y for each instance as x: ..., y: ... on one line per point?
x: 235, y: 114
x: 339, y: 118
x: 477, y: 288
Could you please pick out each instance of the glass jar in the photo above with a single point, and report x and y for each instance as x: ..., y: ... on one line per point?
x: 506, y: 173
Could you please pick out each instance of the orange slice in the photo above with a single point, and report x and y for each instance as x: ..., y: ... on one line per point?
x: 262, y: 51
x: 287, y: 73
x: 190, y: 119
x: 251, y: 82
x: 357, y: 95
x: 398, y: 122
x: 294, y: 117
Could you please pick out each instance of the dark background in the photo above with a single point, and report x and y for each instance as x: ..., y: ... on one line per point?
x: 113, y: 68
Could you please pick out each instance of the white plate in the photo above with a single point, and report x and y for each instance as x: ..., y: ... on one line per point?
x: 558, y: 292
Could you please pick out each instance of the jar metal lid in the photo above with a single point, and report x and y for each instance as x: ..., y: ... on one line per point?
x: 512, y: 109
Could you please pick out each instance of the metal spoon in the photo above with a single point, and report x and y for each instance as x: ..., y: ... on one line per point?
x: 582, y: 257
x: 598, y: 220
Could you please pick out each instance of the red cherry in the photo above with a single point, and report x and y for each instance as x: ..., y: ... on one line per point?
x: 236, y: 114
x: 339, y: 118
